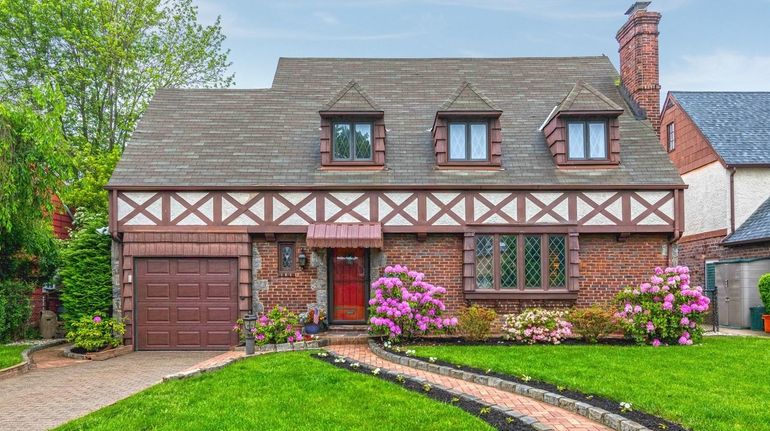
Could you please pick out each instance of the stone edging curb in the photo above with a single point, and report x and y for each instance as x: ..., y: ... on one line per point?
x: 507, y: 411
x: 267, y: 348
x: 99, y: 356
x: 26, y: 360
x: 596, y: 414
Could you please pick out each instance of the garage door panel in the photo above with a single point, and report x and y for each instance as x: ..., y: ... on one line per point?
x: 155, y: 315
x: 188, y: 291
x: 218, y: 291
x: 186, y: 303
x: 188, y: 315
x: 157, y: 291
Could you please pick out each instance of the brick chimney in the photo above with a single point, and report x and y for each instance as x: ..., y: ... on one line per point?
x: 638, y: 40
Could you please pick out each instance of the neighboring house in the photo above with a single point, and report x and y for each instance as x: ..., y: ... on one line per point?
x: 720, y: 142
x: 513, y: 182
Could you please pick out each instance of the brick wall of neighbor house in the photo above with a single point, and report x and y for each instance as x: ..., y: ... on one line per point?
x: 695, y: 253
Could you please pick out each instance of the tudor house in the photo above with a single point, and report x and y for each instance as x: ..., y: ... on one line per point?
x: 512, y: 182
x: 720, y: 143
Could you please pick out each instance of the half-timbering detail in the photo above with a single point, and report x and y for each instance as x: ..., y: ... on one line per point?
x: 403, y: 211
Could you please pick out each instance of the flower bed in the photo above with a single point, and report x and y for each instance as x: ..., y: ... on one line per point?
x: 101, y: 355
x: 492, y: 415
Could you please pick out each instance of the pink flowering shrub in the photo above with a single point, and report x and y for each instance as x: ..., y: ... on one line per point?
x: 537, y: 325
x: 404, y: 306
x: 277, y: 326
x: 665, y: 310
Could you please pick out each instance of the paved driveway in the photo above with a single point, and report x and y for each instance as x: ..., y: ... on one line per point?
x: 47, y: 397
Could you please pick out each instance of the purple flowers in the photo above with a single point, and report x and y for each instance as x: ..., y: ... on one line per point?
x: 404, y: 305
x: 97, y: 319
x: 665, y: 310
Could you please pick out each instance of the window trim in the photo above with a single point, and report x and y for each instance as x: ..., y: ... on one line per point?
x: 587, y: 139
x: 287, y: 272
x: 670, y: 137
x: 467, y: 122
x: 353, y: 160
x: 521, y: 287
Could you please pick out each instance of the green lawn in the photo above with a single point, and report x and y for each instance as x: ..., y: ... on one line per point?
x: 10, y: 355
x: 286, y: 391
x: 721, y: 385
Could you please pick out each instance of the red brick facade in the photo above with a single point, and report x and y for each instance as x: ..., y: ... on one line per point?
x: 607, y: 265
x: 696, y: 252
x: 638, y: 40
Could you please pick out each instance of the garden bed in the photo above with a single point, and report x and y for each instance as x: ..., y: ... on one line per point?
x: 492, y: 415
x: 101, y: 355
x: 446, y: 340
x: 646, y: 419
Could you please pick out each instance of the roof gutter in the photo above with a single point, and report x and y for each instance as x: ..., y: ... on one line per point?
x: 413, y: 187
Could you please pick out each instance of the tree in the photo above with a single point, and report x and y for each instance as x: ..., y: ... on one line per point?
x: 107, y: 57
x: 32, y: 156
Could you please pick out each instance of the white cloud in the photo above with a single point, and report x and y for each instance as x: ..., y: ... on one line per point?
x: 326, y: 18
x: 718, y: 71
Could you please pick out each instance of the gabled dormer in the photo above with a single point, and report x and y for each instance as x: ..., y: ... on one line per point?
x: 466, y: 130
x: 352, y: 130
x: 584, y: 129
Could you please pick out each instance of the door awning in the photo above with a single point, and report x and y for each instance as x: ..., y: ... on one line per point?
x: 344, y: 235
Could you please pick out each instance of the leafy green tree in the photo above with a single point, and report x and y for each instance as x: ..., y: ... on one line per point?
x: 86, y: 269
x: 107, y: 57
x: 32, y: 158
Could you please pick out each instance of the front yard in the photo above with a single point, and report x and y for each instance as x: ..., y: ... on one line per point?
x: 287, y: 391
x: 11, y: 354
x: 721, y: 385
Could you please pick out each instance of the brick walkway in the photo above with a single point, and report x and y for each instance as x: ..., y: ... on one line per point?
x: 559, y: 419
x: 60, y: 389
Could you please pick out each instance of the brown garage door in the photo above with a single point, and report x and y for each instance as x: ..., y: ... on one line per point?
x: 186, y: 303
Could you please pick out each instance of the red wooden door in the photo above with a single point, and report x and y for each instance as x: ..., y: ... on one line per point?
x: 349, y: 285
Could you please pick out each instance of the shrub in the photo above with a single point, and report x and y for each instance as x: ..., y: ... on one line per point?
x: 666, y: 310
x: 86, y: 271
x: 476, y: 322
x: 15, y: 309
x: 404, y: 305
x: 277, y: 326
x: 93, y: 333
x: 764, y: 291
x: 594, y: 322
x: 536, y: 325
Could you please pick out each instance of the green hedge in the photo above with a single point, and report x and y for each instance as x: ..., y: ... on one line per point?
x: 764, y: 291
x: 15, y: 309
x: 86, y: 270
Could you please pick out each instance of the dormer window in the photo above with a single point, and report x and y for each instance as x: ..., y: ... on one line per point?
x: 352, y: 141
x: 587, y: 139
x: 468, y: 141
x: 584, y: 129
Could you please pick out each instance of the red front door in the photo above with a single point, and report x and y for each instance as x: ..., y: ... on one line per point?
x: 348, y: 285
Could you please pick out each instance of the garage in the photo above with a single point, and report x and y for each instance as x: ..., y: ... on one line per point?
x: 186, y: 303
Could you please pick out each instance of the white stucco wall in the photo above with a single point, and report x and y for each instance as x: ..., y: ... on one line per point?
x: 707, y: 200
x: 752, y: 187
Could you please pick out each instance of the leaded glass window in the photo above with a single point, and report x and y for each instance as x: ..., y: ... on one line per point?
x: 587, y: 139
x: 352, y: 141
x: 468, y: 141
x: 521, y: 261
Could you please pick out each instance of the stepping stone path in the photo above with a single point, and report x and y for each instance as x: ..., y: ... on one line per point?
x: 557, y: 418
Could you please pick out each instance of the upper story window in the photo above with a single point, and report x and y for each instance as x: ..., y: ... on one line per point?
x: 587, y: 139
x: 671, y: 137
x: 352, y: 141
x: 468, y: 141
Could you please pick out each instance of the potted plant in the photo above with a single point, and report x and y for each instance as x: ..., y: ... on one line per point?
x: 313, y: 320
x: 764, y: 295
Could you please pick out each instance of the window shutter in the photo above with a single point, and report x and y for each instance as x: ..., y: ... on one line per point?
x: 711, y: 276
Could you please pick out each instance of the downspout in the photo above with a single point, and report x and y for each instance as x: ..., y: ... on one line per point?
x: 732, y: 200
x: 678, y: 228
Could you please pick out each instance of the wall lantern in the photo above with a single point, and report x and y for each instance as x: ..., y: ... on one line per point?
x: 249, y: 323
x: 302, y: 258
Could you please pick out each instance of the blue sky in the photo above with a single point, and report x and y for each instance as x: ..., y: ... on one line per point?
x: 704, y: 44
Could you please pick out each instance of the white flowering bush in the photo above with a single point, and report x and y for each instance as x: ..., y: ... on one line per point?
x: 537, y: 325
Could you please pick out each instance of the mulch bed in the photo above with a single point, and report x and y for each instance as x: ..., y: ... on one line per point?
x: 499, y: 341
x: 493, y: 417
x: 646, y: 419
